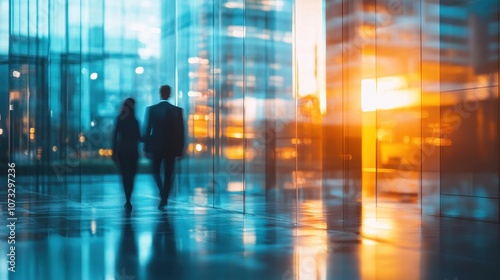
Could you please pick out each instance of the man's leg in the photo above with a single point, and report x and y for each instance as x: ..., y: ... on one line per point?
x: 168, y: 165
x: 156, y: 163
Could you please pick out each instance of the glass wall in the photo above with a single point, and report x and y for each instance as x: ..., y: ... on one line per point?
x: 323, y: 112
x: 469, y: 109
x: 68, y: 67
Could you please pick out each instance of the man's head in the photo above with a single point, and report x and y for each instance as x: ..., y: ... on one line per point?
x: 165, y: 92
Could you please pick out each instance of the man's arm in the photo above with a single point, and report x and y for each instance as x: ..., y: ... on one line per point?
x: 147, y: 132
x: 181, y: 131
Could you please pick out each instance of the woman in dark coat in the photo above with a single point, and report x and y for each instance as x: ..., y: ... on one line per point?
x: 126, y: 138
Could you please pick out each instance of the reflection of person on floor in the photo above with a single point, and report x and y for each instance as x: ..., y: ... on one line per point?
x: 127, y: 261
x: 164, y: 262
x: 126, y: 139
x: 163, y: 141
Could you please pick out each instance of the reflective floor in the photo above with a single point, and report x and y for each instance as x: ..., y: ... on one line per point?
x: 97, y: 239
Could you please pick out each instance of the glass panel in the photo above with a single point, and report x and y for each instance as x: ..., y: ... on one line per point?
x: 398, y: 105
x: 469, y: 109
x: 4, y: 29
x: 355, y: 60
x: 319, y: 137
x: 4, y: 117
x: 4, y: 72
x: 269, y: 128
x: 364, y: 46
x: 195, y: 61
x: 229, y: 185
x: 431, y: 111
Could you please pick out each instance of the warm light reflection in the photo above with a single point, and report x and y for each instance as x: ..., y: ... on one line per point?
x: 234, y: 132
x: 238, y: 153
x: 14, y: 95
x: 399, y: 227
x: 199, y: 148
x: 387, y: 93
x: 310, y: 51
x: 105, y: 152
x: 235, y: 187
x: 311, y: 254
x: 286, y: 153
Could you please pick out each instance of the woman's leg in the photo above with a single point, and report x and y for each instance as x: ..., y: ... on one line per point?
x: 131, y: 171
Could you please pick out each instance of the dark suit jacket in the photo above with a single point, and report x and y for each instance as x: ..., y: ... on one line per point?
x: 164, y: 130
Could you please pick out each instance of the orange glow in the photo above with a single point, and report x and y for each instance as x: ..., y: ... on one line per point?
x: 368, y: 155
x: 387, y: 93
x: 238, y: 153
x: 400, y: 227
x: 234, y: 132
x: 286, y: 153
x: 14, y: 95
x: 311, y: 254
x: 105, y: 152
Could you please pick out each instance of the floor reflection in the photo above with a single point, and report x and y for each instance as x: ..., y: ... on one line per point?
x: 127, y: 258
x: 163, y: 262
x: 98, y: 239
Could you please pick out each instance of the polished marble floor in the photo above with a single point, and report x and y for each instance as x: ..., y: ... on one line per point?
x: 57, y: 238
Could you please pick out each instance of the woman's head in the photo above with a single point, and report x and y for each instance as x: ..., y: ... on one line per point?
x: 128, y: 108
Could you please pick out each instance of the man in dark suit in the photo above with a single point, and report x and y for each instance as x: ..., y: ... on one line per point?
x: 163, y: 140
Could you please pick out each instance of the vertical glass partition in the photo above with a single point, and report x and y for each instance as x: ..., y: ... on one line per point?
x: 469, y: 109
x: 192, y: 45
x: 397, y: 82
x: 270, y: 111
x: 230, y: 167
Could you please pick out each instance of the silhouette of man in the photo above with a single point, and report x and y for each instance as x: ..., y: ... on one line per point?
x: 163, y: 141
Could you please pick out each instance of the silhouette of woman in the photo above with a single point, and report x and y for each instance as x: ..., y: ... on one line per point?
x: 126, y: 138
